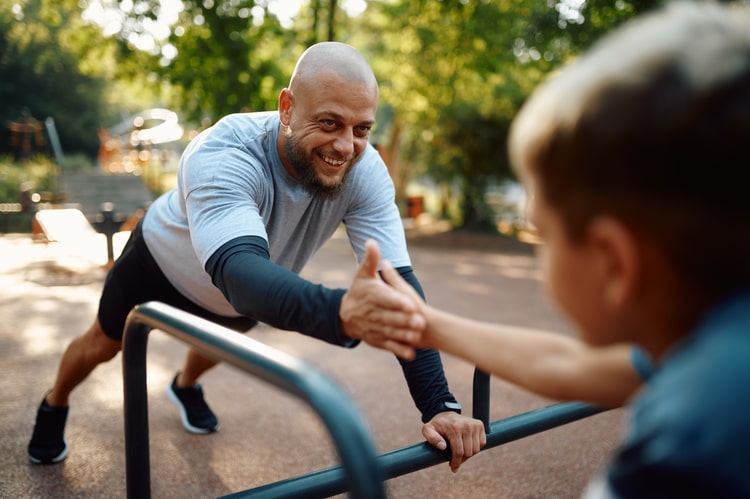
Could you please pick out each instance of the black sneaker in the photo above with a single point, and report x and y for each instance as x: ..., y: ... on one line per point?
x: 48, y: 445
x: 196, y: 416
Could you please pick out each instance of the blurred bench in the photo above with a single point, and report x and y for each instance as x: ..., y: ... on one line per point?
x: 70, y: 228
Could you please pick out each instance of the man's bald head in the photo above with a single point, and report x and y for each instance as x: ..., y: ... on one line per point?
x: 342, y: 59
x: 326, y: 115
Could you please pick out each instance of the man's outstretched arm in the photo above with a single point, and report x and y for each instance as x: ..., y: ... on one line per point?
x: 370, y: 310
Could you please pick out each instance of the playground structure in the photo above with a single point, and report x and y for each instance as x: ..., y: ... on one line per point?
x: 145, y: 144
x: 361, y: 473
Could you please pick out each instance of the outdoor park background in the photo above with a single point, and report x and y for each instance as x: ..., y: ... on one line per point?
x: 452, y: 76
x: 87, y: 87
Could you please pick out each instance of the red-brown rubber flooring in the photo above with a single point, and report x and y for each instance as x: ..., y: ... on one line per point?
x: 48, y: 297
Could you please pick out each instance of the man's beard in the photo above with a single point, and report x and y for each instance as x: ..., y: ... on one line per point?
x: 303, y: 166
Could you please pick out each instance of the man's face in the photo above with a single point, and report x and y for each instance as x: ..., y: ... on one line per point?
x: 327, y: 129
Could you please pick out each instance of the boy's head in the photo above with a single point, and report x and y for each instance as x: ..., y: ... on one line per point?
x: 651, y: 129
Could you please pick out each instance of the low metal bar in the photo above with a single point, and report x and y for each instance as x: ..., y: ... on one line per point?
x: 481, y: 398
x: 360, y: 472
x: 423, y: 455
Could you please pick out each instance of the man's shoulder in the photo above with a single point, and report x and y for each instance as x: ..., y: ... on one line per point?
x: 370, y: 167
x: 248, y: 124
x: 240, y: 145
x: 251, y: 133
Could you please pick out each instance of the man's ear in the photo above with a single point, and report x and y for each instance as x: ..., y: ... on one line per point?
x: 617, y: 252
x: 285, y: 106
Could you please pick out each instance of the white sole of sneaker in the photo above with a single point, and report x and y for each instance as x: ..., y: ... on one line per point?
x: 183, y: 414
x: 60, y: 457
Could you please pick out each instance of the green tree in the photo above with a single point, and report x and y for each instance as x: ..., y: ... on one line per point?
x: 453, y: 75
x: 447, y: 70
x: 319, y: 9
x: 46, y: 65
x: 221, y: 56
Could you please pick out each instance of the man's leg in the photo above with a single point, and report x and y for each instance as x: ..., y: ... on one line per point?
x: 80, y: 358
x: 196, y: 364
x: 187, y: 394
x: 83, y: 354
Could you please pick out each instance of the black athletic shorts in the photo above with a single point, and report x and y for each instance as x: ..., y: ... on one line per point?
x: 135, y: 278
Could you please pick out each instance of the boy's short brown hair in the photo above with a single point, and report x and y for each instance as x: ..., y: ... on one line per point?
x: 652, y: 126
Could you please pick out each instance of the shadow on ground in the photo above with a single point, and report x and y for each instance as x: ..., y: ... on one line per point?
x: 266, y: 435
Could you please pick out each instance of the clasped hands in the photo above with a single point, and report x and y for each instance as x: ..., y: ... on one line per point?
x: 389, y: 314
x: 380, y: 314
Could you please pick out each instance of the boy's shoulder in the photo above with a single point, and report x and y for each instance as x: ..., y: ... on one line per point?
x: 706, y: 375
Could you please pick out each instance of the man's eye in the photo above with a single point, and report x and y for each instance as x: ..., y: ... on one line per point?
x: 363, y: 130
x: 328, y: 123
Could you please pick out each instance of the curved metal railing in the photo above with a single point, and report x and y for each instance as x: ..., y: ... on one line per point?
x: 362, y: 472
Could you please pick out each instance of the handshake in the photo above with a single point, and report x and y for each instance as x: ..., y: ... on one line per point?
x: 385, y: 312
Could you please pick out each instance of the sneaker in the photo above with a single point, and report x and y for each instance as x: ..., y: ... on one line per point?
x: 48, y: 445
x: 196, y: 416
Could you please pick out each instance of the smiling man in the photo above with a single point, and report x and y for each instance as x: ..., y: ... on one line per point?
x: 335, y: 125
x: 258, y: 194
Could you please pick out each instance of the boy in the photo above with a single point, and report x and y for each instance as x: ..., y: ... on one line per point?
x: 636, y: 162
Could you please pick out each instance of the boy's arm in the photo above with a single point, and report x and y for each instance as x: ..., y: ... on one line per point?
x: 549, y: 364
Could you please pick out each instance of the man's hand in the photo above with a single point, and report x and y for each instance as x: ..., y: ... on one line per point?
x: 465, y: 436
x: 374, y: 312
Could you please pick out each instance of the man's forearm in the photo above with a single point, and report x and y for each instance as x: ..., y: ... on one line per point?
x: 424, y: 375
x: 265, y: 291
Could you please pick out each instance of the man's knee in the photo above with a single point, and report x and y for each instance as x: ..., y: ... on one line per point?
x: 99, y: 346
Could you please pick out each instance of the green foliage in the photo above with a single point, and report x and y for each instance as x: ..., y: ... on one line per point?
x: 601, y: 16
x: 45, y: 66
x: 449, y: 71
x: 78, y: 162
x: 478, y: 159
x: 231, y: 57
x: 37, y: 175
x: 453, y: 73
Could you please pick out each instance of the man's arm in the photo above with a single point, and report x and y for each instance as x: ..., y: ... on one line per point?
x: 370, y: 310
x: 265, y: 291
x: 428, y: 387
x: 424, y: 373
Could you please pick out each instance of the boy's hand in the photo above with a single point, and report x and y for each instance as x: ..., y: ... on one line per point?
x: 378, y: 314
x: 394, y: 279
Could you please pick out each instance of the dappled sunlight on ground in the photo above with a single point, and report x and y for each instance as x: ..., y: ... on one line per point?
x: 49, y: 296
x: 39, y: 339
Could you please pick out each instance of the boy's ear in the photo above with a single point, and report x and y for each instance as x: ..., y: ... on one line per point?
x: 617, y: 254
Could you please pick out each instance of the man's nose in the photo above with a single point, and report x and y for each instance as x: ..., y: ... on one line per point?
x: 344, y: 143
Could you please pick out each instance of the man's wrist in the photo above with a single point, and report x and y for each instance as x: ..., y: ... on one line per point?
x: 452, y: 406
x: 442, y: 406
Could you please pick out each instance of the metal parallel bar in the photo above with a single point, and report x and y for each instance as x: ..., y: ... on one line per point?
x: 135, y: 404
x: 423, y: 455
x: 329, y: 482
x: 481, y: 398
x: 360, y: 472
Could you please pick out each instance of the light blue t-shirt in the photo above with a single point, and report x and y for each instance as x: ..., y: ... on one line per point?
x: 231, y: 183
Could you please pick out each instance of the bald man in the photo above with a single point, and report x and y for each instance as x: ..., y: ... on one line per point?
x: 258, y: 194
